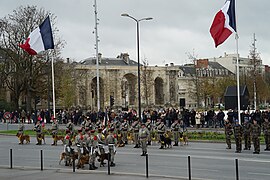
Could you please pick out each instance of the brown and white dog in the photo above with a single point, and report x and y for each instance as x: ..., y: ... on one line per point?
x: 23, y: 138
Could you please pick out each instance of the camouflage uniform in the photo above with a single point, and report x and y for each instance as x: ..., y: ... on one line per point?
x: 175, y: 128
x: 21, y: 129
x: 228, y: 133
x: 247, y: 134
x: 92, y: 144
x: 148, y: 125
x: 67, y: 148
x: 143, y: 135
x: 238, y: 132
x: 55, y: 128
x: 255, y: 133
x: 38, y: 130
x: 135, y: 127
x: 20, y: 132
x: 79, y: 141
x: 161, y: 130
x: 124, y: 129
x: 111, y: 142
x: 266, y: 132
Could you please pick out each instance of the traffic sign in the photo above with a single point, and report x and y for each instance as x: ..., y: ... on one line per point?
x: 7, y: 115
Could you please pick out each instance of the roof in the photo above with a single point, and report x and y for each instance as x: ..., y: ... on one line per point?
x: 188, y: 70
x: 109, y: 62
x: 215, y: 65
x: 232, y: 91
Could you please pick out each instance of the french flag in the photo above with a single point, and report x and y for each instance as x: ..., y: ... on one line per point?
x: 40, y: 39
x: 224, y: 23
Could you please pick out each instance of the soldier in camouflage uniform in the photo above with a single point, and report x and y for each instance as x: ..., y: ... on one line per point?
x: 111, y: 142
x: 148, y: 125
x: 143, y: 135
x: 38, y: 130
x: 175, y: 127
x: 228, y: 133
x: 92, y: 144
x: 238, y: 132
x: 67, y: 148
x: 79, y: 141
x: 55, y: 128
x: 161, y: 130
x: 247, y: 134
x: 266, y: 132
x: 20, y: 131
x: 255, y: 134
x: 124, y: 130
x: 135, y: 128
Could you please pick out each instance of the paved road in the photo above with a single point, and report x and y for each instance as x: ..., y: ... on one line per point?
x: 208, y: 161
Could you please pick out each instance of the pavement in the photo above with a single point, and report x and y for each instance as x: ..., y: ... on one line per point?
x: 19, y: 173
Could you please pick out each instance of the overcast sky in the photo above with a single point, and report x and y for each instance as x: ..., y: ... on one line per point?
x: 178, y: 27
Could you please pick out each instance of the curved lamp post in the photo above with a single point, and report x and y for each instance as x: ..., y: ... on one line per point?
x: 138, y: 56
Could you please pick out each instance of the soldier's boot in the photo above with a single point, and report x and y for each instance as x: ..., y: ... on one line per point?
x: 126, y: 142
x: 149, y: 143
x: 95, y: 167
x: 136, y: 146
x: 175, y: 144
x: 112, y: 164
x: 91, y: 167
x: 161, y: 147
x: 229, y: 147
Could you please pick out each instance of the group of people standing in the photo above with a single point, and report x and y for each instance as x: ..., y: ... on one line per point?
x: 249, y: 130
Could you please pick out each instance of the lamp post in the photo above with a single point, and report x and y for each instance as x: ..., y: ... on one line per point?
x: 138, y: 56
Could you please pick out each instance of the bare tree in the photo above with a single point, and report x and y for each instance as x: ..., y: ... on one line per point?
x: 24, y: 75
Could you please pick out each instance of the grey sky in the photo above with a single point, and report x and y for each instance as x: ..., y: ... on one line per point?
x: 178, y: 27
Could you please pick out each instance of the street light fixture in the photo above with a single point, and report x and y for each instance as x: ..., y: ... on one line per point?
x: 138, y: 56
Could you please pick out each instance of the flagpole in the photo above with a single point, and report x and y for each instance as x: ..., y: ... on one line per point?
x: 97, y: 55
x: 53, y: 90
x: 238, y: 78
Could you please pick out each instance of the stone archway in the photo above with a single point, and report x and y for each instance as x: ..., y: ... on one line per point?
x: 159, y: 91
x: 94, y: 93
x: 128, y: 86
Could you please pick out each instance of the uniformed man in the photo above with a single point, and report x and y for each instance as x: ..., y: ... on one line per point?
x: 101, y: 142
x: 247, y: 134
x: 111, y: 142
x: 148, y: 125
x: 55, y: 128
x: 79, y: 143
x: 238, y: 132
x: 228, y: 133
x: 161, y: 130
x: 135, y: 128
x: 67, y: 148
x: 143, y: 135
x: 266, y: 132
x: 124, y: 131
x: 175, y: 129
x: 70, y: 127
x: 255, y: 134
x: 20, y: 131
x: 38, y: 130
x: 92, y: 144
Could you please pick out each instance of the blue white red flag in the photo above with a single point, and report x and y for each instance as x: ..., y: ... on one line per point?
x: 40, y: 39
x: 224, y: 23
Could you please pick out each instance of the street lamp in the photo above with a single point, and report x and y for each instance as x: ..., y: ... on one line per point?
x: 138, y: 56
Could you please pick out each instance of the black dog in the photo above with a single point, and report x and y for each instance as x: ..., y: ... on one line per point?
x: 166, y: 141
x: 102, y: 158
